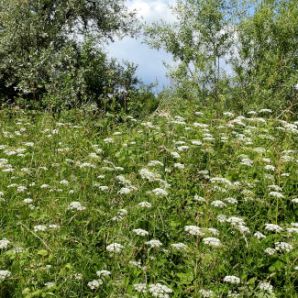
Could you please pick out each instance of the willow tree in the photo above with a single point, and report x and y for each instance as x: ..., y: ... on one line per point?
x: 266, y: 67
x: 43, y: 46
x: 198, y: 40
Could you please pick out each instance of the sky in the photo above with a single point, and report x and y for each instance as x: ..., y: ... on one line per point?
x: 150, y: 62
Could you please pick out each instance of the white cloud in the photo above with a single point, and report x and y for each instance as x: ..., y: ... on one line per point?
x: 152, y: 10
x: 150, y: 62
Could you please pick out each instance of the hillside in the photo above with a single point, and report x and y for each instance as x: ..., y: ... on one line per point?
x: 181, y: 204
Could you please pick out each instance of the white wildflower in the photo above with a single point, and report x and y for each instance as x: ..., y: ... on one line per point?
x: 141, y: 232
x: 259, y: 235
x: 76, y: 206
x: 231, y: 279
x: 231, y: 201
x: 95, y: 284
x: 273, y: 228
x: 4, y: 274
x: 4, y: 243
x: 40, y: 228
x: 213, y: 231
x: 196, y: 142
x: 179, y: 166
x: 218, y: 204
x: 160, y: 192
x: 175, y: 155
x: 125, y: 191
x: 148, y: 175
x: 103, y: 273
x: 269, y: 168
x: 270, y: 251
x: 141, y: 287
x: 211, y: 241
x: 276, y: 194
x: 206, y: 293
x: 265, y: 286
x: 179, y: 246
x: 182, y: 148
x: 115, y: 248
x: 28, y: 201
x: 154, y: 243
x: 160, y: 291
x: 283, y: 246
x: 199, y: 199
x: 145, y: 204
x: 193, y: 230
x: 292, y: 230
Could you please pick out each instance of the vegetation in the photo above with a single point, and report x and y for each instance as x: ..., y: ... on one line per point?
x: 234, y: 54
x: 108, y: 190
x: 183, y: 199
x: 51, y: 56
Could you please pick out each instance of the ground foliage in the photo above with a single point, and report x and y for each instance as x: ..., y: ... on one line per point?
x: 187, y: 202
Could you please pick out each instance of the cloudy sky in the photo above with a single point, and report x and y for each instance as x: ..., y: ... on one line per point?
x: 149, y: 61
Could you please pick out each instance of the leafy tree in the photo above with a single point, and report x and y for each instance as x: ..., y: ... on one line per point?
x: 266, y: 68
x: 48, y: 52
x: 198, y: 40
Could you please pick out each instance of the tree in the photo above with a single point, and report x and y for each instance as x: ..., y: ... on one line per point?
x: 198, y: 40
x: 44, y: 43
x: 266, y: 68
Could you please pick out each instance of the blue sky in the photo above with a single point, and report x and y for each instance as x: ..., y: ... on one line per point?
x: 149, y: 61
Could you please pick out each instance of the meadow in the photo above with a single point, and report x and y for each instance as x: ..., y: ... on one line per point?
x: 184, y: 203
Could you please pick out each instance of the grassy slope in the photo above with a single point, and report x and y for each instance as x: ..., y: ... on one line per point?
x: 78, y: 246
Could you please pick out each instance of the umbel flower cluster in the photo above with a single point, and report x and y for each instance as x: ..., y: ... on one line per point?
x: 184, y: 204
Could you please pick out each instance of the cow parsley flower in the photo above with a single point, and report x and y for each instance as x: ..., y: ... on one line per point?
x: 269, y: 168
x: 103, y: 273
x: 140, y: 287
x: 179, y: 166
x: 206, y: 293
x: 141, y: 232
x: 270, y: 251
x: 145, y: 204
x: 276, y: 194
x: 95, y: 284
x: 231, y: 201
x: 231, y: 279
x: 148, y: 175
x: 76, y: 206
x: 265, y: 286
x: 193, y: 230
x: 159, y: 192
x: 175, y: 155
x: 4, y: 274
x: 4, y: 243
x: 154, y: 243
x: 273, y: 228
x: 115, y: 248
x: 179, y: 246
x: 259, y: 235
x: 292, y: 230
x: 199, y: 199
x: 196, y: 142
x: 160, y: 291
x: 218, y: 204
x: 154, y: 163
x: 28, y: 201
x: 124, y: 191
x: 283, y: 246
x: 212, y: 241
x: 40, y: 228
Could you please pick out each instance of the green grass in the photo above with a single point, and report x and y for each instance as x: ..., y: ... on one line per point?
x: 48, y: 161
